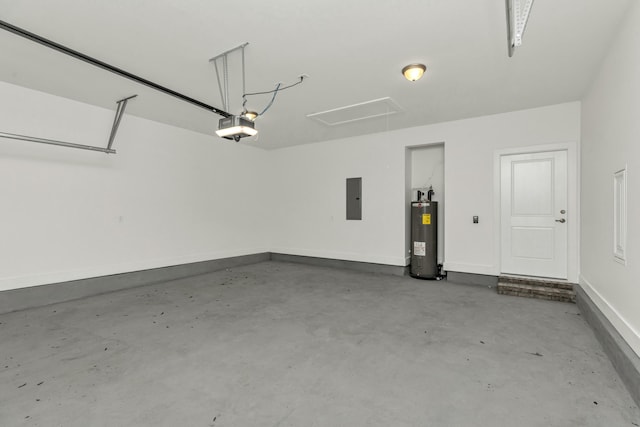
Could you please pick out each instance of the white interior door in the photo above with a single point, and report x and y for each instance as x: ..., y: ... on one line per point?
x: 534, y: 214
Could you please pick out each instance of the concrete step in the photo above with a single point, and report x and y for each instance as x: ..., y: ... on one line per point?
x: 537, y: 291
x: 540, y: 282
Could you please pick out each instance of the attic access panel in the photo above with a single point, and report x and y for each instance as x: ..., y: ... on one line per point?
x: 361, y: 111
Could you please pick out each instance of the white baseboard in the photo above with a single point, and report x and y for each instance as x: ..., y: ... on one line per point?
x: 630, y: 335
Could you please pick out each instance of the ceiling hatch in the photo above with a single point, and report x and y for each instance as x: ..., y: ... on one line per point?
x: 352, y: 113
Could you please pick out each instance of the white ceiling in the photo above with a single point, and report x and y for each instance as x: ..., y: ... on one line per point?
x: 353, y: 52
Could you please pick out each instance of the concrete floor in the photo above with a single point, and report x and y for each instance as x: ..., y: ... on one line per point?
x: 278, y: 344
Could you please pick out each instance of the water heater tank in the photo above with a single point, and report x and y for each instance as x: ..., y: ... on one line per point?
x: 424, y: 240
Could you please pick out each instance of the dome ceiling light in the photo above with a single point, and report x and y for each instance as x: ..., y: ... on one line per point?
x: 251, y: 115
x: 413, y: 72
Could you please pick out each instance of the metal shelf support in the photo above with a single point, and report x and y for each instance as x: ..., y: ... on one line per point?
x: 122, y: 105
x: 517, y: 16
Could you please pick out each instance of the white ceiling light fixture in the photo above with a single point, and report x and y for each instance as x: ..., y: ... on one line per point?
x: 235, y: 127
x: 517, y: 16
x: 413, y: 72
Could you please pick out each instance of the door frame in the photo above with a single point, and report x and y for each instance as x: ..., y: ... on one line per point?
x: 573, y: 203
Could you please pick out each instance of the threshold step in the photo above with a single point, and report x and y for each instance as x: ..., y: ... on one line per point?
x: 536, y: 291
x: 535, y: 281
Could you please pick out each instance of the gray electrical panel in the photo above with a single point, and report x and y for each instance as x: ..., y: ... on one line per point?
x: 354, y: 198
x: 424, y: 240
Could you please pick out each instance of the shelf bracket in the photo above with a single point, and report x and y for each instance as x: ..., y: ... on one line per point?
x: 122, y: 104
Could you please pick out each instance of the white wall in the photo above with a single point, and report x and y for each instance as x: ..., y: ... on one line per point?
x: 172, y: 196
x: 427, y: 169
x: 611, y: 140
x: 309, y: 188
x: 169, y: 196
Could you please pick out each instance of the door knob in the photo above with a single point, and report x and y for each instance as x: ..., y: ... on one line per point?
x: 561, y: 220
